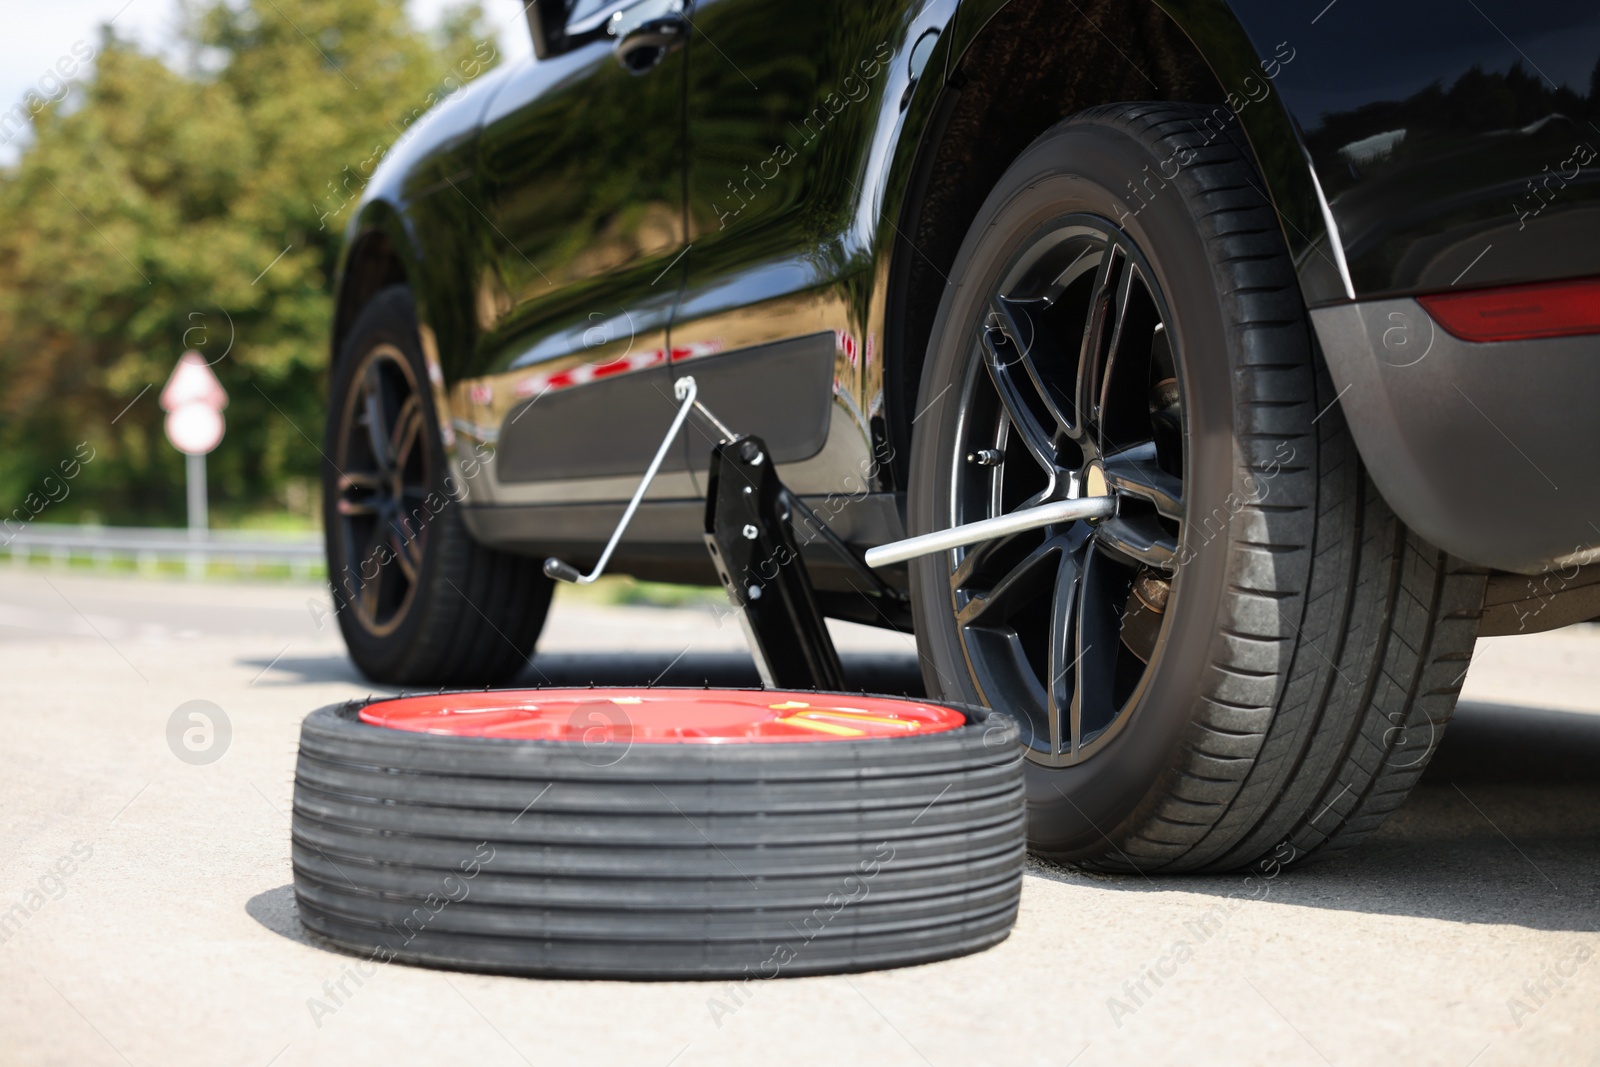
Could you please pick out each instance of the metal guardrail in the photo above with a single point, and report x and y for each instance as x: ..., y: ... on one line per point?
x: 147, y: 548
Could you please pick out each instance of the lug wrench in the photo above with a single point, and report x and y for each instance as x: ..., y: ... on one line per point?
x: 749, y: 518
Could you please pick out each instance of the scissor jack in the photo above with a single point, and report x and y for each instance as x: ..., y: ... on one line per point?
x: 750, y: 520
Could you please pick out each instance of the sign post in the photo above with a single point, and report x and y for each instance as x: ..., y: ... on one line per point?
x: 199, y: 518
x: 193, y: 400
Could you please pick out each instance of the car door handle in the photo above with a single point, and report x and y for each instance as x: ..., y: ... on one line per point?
x: 647, y: 32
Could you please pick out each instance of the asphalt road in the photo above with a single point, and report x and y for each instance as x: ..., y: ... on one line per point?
x: 158, y: 924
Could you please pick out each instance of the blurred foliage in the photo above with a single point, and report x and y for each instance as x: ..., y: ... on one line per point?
x: 140, y: 221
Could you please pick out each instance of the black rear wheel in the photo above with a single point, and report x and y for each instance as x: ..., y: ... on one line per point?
x: 1252, y: 660
x: 418, y: 601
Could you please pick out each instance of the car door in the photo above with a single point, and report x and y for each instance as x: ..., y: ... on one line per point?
x: 791, y: 107
x: 756, y: 326
x: 581, y: 164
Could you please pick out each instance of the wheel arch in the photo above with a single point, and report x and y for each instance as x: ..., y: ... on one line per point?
x: 373, y: 264
x: 379, y: 253
x: 1018, y: 67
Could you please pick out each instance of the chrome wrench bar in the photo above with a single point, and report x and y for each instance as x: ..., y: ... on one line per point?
x: 969, y: 533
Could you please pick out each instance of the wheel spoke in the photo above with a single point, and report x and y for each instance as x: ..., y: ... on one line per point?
x: 1123, y: 415
x: 1027, y: 324
x: 1139, y: 540
x: 1103, y: 589
x: 1063, y: 660
x: 359, y: 480
x: 1020, y: 584
x: 371, y: 588
x: 1105, y: 315
x: 407, y: 430
x: 1007, y: 371
x: 977, y: 557
x: 1136, y: 472
x: 407, y: 553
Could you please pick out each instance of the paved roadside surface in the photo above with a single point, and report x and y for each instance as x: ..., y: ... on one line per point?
x: 157, y: 924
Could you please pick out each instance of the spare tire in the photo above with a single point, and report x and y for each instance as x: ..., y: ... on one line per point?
x: 658, y: 833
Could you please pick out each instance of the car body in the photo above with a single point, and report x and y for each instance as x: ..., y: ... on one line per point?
x: 1435, y: 155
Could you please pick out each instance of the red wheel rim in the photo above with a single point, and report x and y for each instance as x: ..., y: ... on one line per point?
x: 662, y: 716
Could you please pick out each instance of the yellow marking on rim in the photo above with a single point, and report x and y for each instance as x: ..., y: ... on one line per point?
x: 822, y: 727
x: 861, y: 716
x: 627, y: 700
x: 788, y: 704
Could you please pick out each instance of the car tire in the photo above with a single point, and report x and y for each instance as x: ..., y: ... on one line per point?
x: 598, y: 858
x: 1280, y: 655
x: 419, y: 602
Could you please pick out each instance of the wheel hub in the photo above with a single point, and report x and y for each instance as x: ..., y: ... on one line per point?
x: 1094, y: 481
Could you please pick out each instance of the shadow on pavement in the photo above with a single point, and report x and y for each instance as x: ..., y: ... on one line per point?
x: 895, y: 675
x: 877, y: 673
x: 1496, y: 743
x: 277, y: 911
x: 1503, y: 829
x: 305, y: 670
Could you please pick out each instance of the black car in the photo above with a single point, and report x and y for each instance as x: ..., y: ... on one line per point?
x: 1311, y: 289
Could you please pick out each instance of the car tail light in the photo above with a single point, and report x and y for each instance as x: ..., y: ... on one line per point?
x: 1519, y: 312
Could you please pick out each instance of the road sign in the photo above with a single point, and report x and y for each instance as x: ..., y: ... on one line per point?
x: 193, y: 400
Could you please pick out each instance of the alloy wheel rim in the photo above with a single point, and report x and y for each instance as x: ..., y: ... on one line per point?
x: 384, y: 475
x: 1073, y: 389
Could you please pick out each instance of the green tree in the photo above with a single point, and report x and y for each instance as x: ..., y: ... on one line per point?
x: 158, y: 210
